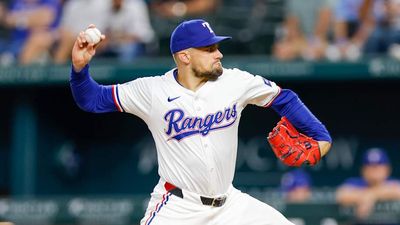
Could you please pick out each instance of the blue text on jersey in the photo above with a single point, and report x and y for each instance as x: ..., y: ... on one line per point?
x: 180, y: 126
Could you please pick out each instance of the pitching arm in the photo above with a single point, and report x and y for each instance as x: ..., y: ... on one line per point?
x: 87, y: 93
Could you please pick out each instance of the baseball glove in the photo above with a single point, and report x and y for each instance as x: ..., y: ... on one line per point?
x: 291, y: 147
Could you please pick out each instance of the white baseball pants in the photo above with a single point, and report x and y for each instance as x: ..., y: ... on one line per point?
x: 165, y: 208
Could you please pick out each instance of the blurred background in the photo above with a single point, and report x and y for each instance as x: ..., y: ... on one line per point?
x: 62, y: 166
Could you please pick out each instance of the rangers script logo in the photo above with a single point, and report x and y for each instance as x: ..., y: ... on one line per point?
x: 180, y: 126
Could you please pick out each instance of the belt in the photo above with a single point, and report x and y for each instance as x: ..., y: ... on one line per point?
x: 215, y: 202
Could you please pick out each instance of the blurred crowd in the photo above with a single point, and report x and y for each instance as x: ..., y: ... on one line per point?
x: 43, y: 31
x: 374, y: 184
x: 339, y: 29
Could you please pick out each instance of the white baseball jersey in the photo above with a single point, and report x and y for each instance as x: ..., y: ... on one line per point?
x: 196, y: 133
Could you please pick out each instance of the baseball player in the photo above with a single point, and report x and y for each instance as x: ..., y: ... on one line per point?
x: 193, y: 113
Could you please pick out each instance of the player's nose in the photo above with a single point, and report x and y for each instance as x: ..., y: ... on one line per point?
x: 219, y: 55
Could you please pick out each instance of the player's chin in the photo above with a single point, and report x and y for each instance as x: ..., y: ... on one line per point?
x: 216, y: 72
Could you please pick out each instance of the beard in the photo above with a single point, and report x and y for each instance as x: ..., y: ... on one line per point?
x: 212, y: 75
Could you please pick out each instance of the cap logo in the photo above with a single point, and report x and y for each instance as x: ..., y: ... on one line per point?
x: 207, y: 25
x: 374, y: 156
x: 193, y: 34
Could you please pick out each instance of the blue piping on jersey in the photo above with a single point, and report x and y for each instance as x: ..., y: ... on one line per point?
x: 175, y: 72
x: 115, y: 96
x: 158, y: 208
x: 288, y: 104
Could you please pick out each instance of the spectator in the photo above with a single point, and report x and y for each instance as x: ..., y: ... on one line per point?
x: 33, y: 24
x: 167, y: 13
x: 386, y: 34
x: 374, y: 184
x: 125, y: 23
x: 4, y: 36
x: 181, y: 8
x: 354, y: 21
x: 127, y: 30
x: 296, y: 186
x: 3, y: 10
x: 305, y: 30
x: 90, y: 11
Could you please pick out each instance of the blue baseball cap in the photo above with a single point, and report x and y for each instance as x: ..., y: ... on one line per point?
x: 193, y: 34
x: 294, y: 179
x: 375, y: 156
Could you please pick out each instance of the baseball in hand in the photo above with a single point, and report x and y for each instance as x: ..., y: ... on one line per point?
x: 93, y: 35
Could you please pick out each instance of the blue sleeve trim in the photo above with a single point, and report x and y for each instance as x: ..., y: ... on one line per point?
x: 289, y: 105
x: 117, y: 102
x: 89, y: 95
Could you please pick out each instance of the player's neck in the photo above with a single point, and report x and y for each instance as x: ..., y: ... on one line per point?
x: 189, y: 80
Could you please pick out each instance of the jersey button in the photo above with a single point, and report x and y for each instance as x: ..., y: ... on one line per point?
x: 198, y: 108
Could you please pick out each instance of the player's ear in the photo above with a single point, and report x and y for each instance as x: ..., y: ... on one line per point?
x: 184, y: 57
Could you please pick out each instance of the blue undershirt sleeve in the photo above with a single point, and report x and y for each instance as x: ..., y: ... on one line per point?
x: 89, y: 95
x: 288, y: 104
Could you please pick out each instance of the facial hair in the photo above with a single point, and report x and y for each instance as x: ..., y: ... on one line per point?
x: 209, y: 75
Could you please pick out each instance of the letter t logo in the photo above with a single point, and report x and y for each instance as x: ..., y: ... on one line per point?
x: 205, y: 24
